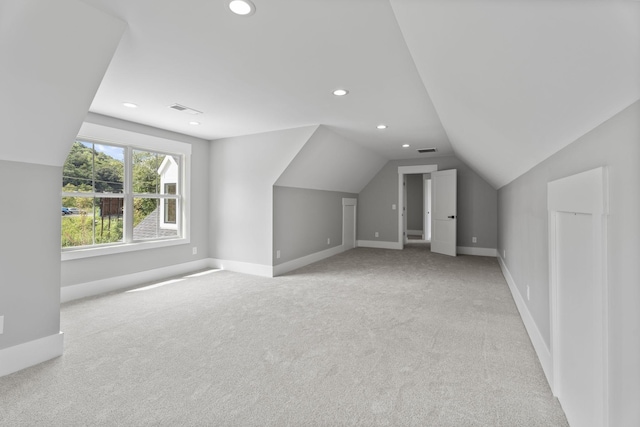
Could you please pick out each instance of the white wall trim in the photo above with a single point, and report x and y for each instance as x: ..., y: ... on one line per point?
x: 378, y: 244
x: 242, y: 267
x: 417, y: 169
x: 585, y: 193
x: 97, y: 287
x: 21, y: 356
x: 470, y: 250
x: 543, y: 352
x: 119, y: 248
x: 288, y: 266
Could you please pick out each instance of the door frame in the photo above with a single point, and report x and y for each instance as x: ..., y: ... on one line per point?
x: 586, y: 193
x: 426, y: 213
x: 402, y: 171
x: 350, y: 202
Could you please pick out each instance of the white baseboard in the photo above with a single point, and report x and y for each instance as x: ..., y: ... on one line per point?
x: 378, y: 244
x: 470, y: 250
x: 544, y: 355
x: 288, y: 266
x: 21, y: 356
x: 97, y: 287
x: 242, y: 267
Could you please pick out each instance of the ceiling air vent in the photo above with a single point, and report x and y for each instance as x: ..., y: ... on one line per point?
x: 426, y: 150
x: 184, y: 109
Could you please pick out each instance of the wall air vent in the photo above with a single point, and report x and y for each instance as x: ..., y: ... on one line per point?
x: 184, y: 109
x: 426, y: 150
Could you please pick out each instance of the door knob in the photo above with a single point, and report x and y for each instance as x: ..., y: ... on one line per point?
x: 451, y: 216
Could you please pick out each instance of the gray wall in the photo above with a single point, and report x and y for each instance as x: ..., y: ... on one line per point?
x: 415, y: 202
x: 29, y: 253
x: 36, y: 76
x: 102, y: 267
x: 477, y: 204
x: 243, y: 172
x: 303, y: 219
x: 523, y: 235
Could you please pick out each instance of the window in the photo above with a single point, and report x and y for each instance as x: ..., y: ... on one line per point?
x: 170, y: 204
x: 117, y: 195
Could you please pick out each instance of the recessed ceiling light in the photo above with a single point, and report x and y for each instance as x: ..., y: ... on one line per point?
x: 194, y: 123
x: 242, y: 7
x: 340, y: 92
x: 381, y: 127
x: 129, y: 105
x: 405, y: 146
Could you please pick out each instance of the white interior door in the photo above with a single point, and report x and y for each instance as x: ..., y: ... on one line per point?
x: 427, y: 207
x: 444, y: 213
x: 349, y: 223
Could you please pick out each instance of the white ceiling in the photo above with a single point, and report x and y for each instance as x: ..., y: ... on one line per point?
x: 516, y: 81
x: 511, y: 81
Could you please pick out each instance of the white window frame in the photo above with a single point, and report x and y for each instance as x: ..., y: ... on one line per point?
x: 100, y: 134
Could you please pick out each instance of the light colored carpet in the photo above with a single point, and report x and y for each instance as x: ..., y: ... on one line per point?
x: 370, y: 337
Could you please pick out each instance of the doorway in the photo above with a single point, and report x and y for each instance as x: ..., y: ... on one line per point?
x: 403, y: 171
x: 417, y: 196
x: 349, y: 223
x: 415, y: 226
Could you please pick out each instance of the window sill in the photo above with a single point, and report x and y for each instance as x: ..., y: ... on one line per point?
x: 71, y: 254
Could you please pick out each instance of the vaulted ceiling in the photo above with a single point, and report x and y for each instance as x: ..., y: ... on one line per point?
x: 500, y: 84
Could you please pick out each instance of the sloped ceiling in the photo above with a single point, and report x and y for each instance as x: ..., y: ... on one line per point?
x: 49, y: 75
x: 328, y: 161
x: 503, y: 84
x: 273, y: 70
x: 515, y: 81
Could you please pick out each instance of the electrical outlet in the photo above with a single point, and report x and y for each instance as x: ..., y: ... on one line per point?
x: 377, y: 234
x: 278, y: 253
x: 328, y: 241
x: 194, y: 250
x: 1, y: 324
x: 474, y: 240
x: 528, y: 293
x: 393, y: 207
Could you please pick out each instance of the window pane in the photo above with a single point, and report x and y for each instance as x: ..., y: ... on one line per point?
x: 88, y: 221
x: 108, y: 168
x: 170, y: 211
x: 170, y: 188
x: 169, y: 204
x: 147, y: 223
x: 77, y: 174
x: 109, y: 221
x: 146, y: 173
x: 94, y: 167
